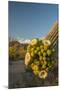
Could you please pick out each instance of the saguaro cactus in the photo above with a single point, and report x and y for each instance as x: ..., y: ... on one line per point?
x: 53, y: 34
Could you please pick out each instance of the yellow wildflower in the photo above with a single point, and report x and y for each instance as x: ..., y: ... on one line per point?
x: 43, y: 74
x: 33, y: 42
x: 46, y: 42
x: 27, y: 59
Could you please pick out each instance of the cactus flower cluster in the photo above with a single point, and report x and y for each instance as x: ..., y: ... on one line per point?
x: 39, y: 57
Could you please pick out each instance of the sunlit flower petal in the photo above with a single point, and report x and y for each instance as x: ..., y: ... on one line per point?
x: 27, y: 58
x: 46, y: 42
x: 33, y: 42
x: 43, y: 74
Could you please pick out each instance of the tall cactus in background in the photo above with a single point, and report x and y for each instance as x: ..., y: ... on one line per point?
x: 53, y: 35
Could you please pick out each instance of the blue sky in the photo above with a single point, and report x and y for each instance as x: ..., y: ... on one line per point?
x: 31, y: 20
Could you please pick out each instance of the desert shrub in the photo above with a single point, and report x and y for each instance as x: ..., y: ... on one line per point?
x: 16, y: 51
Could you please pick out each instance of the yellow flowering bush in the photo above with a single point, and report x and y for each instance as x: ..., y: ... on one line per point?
x: 39, y: 57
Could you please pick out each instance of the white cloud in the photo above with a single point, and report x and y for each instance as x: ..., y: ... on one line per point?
x: 24, y: 41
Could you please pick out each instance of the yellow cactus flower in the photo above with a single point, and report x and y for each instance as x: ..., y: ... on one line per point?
x: 33, y: 42
x: 46, y: 42
x: 27, y: 59
x: 43, y: 74
x: 38, y: 57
